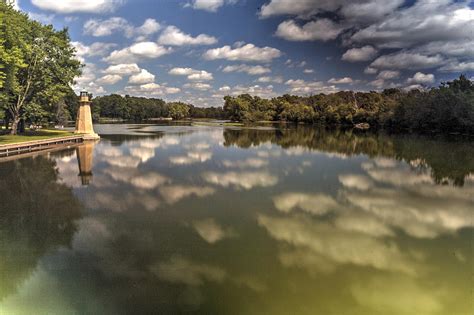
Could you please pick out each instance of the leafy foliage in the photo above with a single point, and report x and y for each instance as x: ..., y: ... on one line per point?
x: 178, y: 110
x: 37, y: 66
x: 141, y: 108
x: 449, y: 108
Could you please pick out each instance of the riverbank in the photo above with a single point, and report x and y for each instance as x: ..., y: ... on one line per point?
x: 33, y: 147
x: 216, y: 123
x: 30, y: 135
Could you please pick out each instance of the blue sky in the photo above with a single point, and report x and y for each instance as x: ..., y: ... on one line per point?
x: 197, y: 51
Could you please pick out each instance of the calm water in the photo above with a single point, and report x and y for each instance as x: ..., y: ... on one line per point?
x: 213, y: 220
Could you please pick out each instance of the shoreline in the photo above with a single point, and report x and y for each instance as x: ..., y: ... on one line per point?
x: 33, y: 147
x: 246, y: 124
x: 47, y: 137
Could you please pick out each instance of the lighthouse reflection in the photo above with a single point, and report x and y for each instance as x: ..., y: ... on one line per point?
x: 85, y: 154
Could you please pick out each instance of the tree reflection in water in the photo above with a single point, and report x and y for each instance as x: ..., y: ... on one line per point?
x: 37, y: 216
x: 448, y: 160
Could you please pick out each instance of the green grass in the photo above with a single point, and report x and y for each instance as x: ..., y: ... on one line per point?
x: 33, y: 135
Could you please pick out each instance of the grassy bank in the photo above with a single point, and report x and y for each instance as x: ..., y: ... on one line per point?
x: 30, y: 135
x: 217, y: 123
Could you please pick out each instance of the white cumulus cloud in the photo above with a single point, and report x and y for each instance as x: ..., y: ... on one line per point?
x: 247, y: 52
x: 456, y: 66
x: 345, y: 80
x: 407, y: 60
x: 323, y: 29
x: 173, y: 36
x: 97, y: 27
x: 209, y: 5
x: 267, y: 79
x: 123, y: 69
x: 95, y: 49
x: 252, y: 70
x: 302, y: 87
x: 150, y: 89
x: 138, y: 51
x: 360, y: 54
x: 388, y: 74
x: 422, y: 78
x: 142, y: 78
x: 72, y: 6
x: 192, y: 74
x: 109, y: 79
x: 198, y: 86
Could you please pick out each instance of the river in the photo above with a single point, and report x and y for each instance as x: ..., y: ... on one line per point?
x: 168, y: 219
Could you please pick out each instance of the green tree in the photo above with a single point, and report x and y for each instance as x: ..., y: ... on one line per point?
x: 237, y: 108
x: 112, y: 106
x: 296, y: 113
x: 178, y: 110
x: 38, y: 64
x: 449, y: 108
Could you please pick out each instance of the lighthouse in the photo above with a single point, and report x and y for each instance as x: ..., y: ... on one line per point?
x: 84, y: 118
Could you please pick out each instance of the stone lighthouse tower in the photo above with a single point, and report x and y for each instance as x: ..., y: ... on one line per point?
x: 84, y: 118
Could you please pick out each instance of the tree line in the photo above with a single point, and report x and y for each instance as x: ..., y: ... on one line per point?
x: 142, y: 108
x: 448, y: 108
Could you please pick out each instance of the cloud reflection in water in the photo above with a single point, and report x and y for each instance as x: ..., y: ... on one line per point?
x: 259, y: 222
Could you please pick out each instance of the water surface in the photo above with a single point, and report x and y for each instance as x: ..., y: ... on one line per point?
x: 157, y: 219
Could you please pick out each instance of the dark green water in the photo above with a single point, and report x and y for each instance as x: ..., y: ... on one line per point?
x: 213, y: 220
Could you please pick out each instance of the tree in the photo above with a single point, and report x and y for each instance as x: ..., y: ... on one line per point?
x: 178, y: 110
x: 112, y: 106
x: 463, y: 84
x: 38, y: 64
x: 296, y: 113
x: 449, y: 108
x: 240, y: 108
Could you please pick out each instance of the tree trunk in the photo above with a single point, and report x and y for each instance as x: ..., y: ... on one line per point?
x: 15, y: 121
x: 21, y: 126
